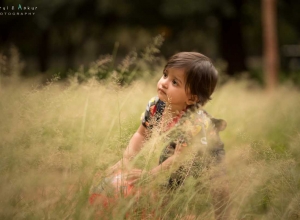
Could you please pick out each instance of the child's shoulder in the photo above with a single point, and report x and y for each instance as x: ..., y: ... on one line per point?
x: 199, y: 116
x: 153, y: 101
x: 212, y: 127
x: 154, y: 105
x: 216, y: 124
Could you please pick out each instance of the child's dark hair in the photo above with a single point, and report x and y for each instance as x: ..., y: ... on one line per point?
x: 200, y: 74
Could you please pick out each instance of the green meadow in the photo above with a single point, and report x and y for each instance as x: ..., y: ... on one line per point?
x: 55, y: 137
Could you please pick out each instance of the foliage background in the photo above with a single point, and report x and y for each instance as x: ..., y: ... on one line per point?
x: 63, y: 35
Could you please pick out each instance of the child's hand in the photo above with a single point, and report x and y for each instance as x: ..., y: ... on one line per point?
x: 120, y: 165
x: 134, y: 175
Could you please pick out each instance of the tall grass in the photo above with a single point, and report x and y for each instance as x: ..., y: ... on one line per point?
x: 54, y: 138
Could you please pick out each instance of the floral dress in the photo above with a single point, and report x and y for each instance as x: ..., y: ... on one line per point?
x: 193, y: 128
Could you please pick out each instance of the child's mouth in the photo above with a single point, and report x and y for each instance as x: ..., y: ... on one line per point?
x: 161, y: 92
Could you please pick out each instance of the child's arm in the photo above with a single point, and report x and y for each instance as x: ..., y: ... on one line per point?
x: 135, y: 174
x: 134, y: 146
x: 163, y: 166
x: 171, y: 161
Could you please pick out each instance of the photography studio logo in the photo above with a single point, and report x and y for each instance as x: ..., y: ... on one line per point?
x: 19, y: 10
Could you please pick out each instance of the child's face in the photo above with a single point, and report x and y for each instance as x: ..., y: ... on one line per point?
x: 171, y: 88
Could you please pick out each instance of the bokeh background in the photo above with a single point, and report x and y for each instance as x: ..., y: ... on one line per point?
x: 76, y: 76
x: 64, y: 35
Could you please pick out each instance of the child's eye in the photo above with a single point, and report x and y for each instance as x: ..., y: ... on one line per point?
x: 164, y: 75
x: 174, y: 82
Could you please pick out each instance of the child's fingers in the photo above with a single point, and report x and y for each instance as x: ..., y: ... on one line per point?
x: 111, y: 169
x: 133, y: 175
x: 132, y: 182
x: 122, y: 164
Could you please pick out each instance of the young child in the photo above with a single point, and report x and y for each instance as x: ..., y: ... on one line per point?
x: 187, y: 83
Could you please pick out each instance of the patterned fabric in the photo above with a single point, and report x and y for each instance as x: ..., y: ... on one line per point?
x: 193, y: 128
x: 153, y: 113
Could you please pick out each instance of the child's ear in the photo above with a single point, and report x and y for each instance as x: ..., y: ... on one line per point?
x: 193, y: 99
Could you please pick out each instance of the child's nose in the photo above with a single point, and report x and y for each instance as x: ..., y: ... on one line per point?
x: 165, y: 83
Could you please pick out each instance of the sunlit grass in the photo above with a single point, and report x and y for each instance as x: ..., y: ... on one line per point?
x: 55, y: 138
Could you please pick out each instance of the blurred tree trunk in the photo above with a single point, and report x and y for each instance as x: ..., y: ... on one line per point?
x: 231, y: 41
x: 270, y: 48
x: 43, y: 50
x: 70, y: 56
